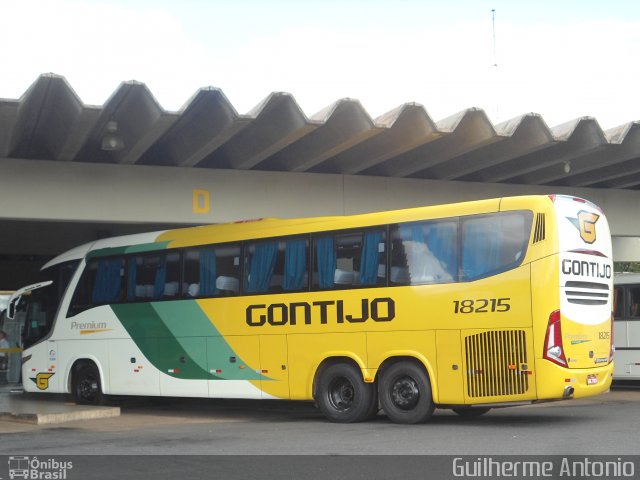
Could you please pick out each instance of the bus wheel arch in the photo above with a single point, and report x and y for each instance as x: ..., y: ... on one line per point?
x: 341, y: 393
x: 405, y: 390
x: 85, y: 383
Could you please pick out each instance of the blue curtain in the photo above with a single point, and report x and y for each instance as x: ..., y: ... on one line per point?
x: 327, y: 261
x: 160, y: 278
x: 412, y: 233
x: 108, y: 281
x: 370, y: 258
x: 131, y: 278
x: 481, y: 248
x: 208, y: 273
x: 295, y: 264
x: 261, y: 267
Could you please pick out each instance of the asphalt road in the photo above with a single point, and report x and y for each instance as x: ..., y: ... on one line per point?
x: 605, y: 425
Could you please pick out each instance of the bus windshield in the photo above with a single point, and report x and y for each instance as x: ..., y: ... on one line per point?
x: 40, y: 305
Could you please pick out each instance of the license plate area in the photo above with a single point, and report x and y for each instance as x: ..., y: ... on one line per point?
x: 592, y: 379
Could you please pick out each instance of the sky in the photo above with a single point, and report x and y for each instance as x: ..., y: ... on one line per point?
x: 563, y: 59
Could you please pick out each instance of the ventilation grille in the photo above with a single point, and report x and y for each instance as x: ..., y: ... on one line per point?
x: 497, y: 363
x: 587, y: 293
x: 539, y: 232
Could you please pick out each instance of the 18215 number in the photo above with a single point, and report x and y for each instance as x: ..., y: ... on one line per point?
x: 482, y: 305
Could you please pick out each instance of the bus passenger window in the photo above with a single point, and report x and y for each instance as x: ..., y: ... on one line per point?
x: 260, y: 263
x: 493, y: 243
x: 348, y: 248
x: 102, y: 282
x: 153, y: 276
x: 212, y: 271
x: 276, y: 266
x: 634, y: 302
x: 618, y: 302
x: 423, y: 253
x: 291, y: 267
x: 350, y: 260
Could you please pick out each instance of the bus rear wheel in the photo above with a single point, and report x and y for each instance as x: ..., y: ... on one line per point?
x: 405, y: 393
x: 343, y: 396
x: 86, y: 387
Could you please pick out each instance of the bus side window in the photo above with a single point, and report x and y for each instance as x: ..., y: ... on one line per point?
x: 618, y: 302
x: 423, y: 253
x: 259, y: 266
x: 101, y: 283
x: 291, y: 265
x: 492, y: 244
x: 354, y: 259
x: 634, y: 302
x: 212, y: 271
x: 228, y: 270
x: 153, y: 276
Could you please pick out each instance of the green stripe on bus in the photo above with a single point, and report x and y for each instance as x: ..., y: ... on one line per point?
x: 147, y: 247
x: 178, y: 336
x: 198, y: 325
x: 157, y: 343
x: 141, y: 248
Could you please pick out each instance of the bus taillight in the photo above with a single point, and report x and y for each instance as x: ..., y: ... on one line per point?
x: 553, y: 341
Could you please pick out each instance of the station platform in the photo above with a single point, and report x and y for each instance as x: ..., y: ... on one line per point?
x: 47, y: 408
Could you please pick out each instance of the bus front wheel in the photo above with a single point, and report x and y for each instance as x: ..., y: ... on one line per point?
x: 86, y: 387
x: 405, y: 393
x: 343, y: 396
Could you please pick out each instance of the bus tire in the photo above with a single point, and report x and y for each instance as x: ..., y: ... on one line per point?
x: 343, y: 396
x: 405, y: 393
x: 471, y: 412
x: 86, y: 387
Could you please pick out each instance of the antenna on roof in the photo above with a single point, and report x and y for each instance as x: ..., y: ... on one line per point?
x: 493, y: 23
x: 495, y: 62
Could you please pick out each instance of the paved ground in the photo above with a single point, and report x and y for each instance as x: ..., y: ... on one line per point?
x: 603, y: 425
x: 189, y: 438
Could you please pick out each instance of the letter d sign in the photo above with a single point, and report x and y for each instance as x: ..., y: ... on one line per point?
x: 201, y: 201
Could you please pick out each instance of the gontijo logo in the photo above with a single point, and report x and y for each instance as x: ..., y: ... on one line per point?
x: 586, y: 225
x: 42, y: 380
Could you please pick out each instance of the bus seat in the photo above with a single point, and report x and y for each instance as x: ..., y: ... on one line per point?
x: 171, y: 289
x: 193, y: 290
x: 343, y: 277
x: 400, y: 275
x: 228, y: 284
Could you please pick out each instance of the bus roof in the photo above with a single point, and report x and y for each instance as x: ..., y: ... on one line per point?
x: 270, y: 227
x: 81, y: 251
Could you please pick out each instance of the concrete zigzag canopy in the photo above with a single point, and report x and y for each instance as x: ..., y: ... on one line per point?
x: 50, y: 122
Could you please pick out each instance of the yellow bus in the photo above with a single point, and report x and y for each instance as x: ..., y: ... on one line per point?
x: 466, y: 306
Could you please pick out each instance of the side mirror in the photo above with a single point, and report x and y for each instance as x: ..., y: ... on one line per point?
x: 12, y: 307
x: 15, y: 298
